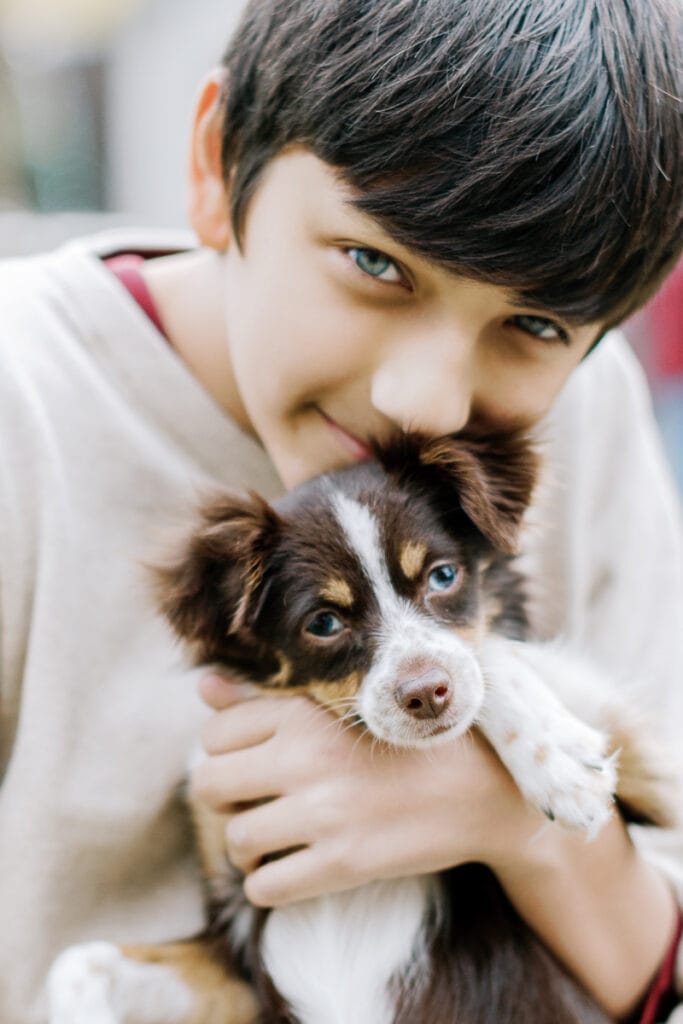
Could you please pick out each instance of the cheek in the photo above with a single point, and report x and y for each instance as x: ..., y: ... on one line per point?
x: 523, y: 392
x: 282, y: 364
x: 339, y: 697
x: 308, y: 334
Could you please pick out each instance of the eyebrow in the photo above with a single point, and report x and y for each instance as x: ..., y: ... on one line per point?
x: 337, y: 591
x: 514, y: 297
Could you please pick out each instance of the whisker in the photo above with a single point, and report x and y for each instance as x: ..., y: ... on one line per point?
x: 340, y: 702
x: 340, y: 724
x: 348, y: 725
x: 362, y: 735
x: 343, y: 723
x: 429, y: 755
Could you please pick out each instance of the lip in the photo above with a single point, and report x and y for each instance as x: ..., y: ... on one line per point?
x: 353, y: 445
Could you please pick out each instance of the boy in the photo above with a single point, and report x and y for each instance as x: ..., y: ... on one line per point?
x: 416, y: 214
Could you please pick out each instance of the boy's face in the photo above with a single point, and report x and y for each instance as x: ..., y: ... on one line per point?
x: 336, y: 333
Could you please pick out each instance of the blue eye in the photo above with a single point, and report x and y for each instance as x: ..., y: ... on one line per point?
x: 375, y: 264
x: 442, y: 577
x: 325, y: 625
x: 540, y: 327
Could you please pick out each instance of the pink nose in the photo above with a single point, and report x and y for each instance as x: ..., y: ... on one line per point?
x: 425, y: 696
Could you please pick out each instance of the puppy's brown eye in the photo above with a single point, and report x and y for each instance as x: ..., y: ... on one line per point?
x: 442, y: 578
x: 325, y: 625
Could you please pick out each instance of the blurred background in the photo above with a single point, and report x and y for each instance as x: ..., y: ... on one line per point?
x: 96, y: 99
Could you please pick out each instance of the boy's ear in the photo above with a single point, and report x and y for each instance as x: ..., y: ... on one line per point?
x: 491, y: 478
x: 208, y: 587
x: 209, y: 202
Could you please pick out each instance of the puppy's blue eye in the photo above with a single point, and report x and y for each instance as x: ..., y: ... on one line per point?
x: 442, y: 577
x: 325, y: 625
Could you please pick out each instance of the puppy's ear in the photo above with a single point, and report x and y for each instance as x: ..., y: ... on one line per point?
x: 208, y: 587
x: 492, y: 478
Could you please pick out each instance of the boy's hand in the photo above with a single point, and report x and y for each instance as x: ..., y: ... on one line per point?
x: 353, y: 810
x: 349, y: 808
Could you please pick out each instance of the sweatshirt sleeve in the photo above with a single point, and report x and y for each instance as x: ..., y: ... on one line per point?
x: 605, y: 537
x: 604, y: 552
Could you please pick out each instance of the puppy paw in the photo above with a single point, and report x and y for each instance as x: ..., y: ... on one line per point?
x: 563, y: 769
x: 95, y: 983
x: 560, y: 764
x: 79, y: 985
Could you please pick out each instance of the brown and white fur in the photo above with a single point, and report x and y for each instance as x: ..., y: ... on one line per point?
x: 388, y: 593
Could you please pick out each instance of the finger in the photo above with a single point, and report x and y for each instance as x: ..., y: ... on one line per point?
x: 235, y: 728
x: 301, y: 875
x: 238, y: 777
x: 220, y: 692
x: 251, y: 722
x: 266, y: 829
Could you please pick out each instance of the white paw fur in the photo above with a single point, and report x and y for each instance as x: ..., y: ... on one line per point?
x: 94, y: 983
x: 560, y: 764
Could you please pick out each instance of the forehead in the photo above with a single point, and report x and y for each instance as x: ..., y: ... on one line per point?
x: 314, y: 198
x: 326, y: 204
x: 341, y: 535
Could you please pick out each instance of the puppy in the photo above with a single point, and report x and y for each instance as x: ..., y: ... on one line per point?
x: 388, y: 593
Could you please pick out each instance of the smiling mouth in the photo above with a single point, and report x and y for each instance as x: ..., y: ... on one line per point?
x: 361, y: 452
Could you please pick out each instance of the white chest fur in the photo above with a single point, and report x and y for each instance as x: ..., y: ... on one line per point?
x: 333, y: 958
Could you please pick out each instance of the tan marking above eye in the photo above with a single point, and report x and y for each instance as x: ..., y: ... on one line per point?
x: 412, y: 558
x: 337, y: 591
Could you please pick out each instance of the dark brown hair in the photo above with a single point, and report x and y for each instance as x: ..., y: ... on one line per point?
x: 535, y: 144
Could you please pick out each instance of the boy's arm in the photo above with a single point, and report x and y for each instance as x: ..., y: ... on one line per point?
x: 603, y: 910
x: 608, y: 535
x: 617, y: 573
x: 605, y: 539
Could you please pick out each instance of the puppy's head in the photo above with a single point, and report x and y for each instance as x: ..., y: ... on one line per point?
x: 368, y: 588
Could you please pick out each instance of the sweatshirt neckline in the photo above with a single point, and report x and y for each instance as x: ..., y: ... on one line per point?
x: 159, y: 383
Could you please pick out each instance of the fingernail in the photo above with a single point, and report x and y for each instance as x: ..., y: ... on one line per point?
x: 248, y: 690
x: 214, y: 679
x: 213, y: 683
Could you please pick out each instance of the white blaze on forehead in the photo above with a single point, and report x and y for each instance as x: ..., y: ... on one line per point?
x: 362, y: 532
x: 407, y: 634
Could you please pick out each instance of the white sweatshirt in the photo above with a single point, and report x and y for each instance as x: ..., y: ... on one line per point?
x: 105, y: 440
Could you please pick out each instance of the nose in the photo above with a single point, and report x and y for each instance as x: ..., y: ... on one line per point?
x: 425, y: 696
x: 427, y: 383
